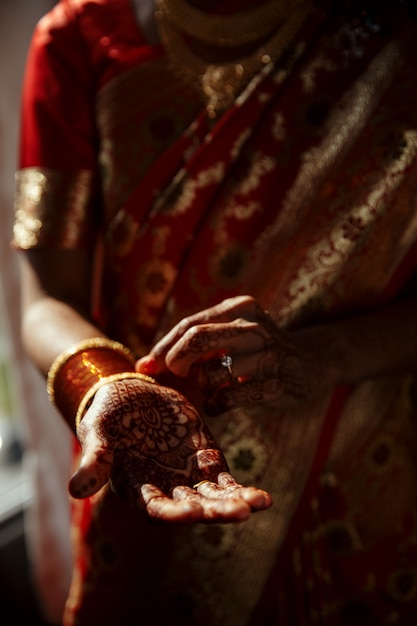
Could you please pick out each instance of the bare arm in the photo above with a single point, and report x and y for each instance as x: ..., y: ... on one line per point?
x: 56, y: 302
x: 56, y: 294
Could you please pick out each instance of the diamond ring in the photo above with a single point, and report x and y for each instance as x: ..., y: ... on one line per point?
x: 227, y: 362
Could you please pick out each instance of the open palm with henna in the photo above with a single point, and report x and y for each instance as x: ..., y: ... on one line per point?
x: 159, y: 455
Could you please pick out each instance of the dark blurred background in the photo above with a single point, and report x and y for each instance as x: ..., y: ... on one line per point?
x: 34, y: 552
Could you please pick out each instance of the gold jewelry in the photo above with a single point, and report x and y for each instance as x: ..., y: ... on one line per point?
x: 88, y: 397
x: 226, y: 30
x: 220, y: 82
x: 85, y: 344
x: 76, y: 370
x: 227, y: 362
x: 197, y: 485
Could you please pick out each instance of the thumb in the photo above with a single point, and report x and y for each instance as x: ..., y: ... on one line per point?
x: 94, y: 469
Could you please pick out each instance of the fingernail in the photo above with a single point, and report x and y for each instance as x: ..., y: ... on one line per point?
x: 147, y: 365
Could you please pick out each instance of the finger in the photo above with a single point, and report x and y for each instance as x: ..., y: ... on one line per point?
x: 92, y: 474
x: 244, y: 307
x: 247, y: 393
x: 224, y: 511
x: 215, y: 505
x: 206, y: 341
x: 182, y: 492
x: 226, y: 480
x: 224, y: 312
x: 95, y: 465
x: 150, y: 366
x: 218, y: 372
x: 160, y: 507
x: 258, y: 365
x: 227, y: 488
x: 208, y: 464
x: 258, y: 499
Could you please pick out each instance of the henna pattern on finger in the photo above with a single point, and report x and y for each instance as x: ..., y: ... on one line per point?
x: 208, y: 464
x: 205, y: 340
x: 131, y: 471
x: 248, y: 393
x: 277, y: 371
x: 227, y: 398
x: 213, y: 374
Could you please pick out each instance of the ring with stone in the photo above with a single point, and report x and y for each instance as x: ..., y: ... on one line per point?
x: 227, y: 362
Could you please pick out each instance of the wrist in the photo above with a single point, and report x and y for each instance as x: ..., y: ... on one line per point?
x: 91, y: 392
x: 83, y: 367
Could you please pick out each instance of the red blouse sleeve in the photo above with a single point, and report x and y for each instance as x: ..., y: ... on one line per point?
x: 75, y: 49
x: 57, y: 114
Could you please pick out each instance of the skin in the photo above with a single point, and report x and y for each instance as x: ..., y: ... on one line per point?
x: 153, y: 451
x: 270, y: 366
x: 56, y: 291
x: 278, y: 368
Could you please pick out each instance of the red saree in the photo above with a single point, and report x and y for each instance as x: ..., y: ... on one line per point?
x: 302, y: 194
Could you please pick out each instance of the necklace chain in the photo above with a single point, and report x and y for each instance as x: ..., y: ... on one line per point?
x: 228, y: 30
x: 221, y: 82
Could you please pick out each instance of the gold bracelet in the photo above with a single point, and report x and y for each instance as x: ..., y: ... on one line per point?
x: 76, y: 370
x: 88, y: 398
x: 85, y: 344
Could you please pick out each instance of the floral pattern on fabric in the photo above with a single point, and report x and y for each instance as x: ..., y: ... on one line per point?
x: 302, y: 194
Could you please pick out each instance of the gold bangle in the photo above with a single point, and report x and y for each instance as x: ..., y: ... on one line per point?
x: 75, y: 371
x: 87, y: 399
x: 94, y: 342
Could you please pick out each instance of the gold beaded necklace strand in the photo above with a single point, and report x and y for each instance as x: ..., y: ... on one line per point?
x: 228, y: 30
x: 221, y: 82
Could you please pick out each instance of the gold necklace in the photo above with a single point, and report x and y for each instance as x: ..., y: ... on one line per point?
x: 228, y: 30
x: 221, y: 82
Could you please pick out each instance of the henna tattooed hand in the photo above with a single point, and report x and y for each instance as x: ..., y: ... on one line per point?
x: 267, y: 364
x: 152, y: 445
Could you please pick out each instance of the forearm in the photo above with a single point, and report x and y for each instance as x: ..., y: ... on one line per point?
x: 56, y: 297
x: 366, y: 346
x: 50, y: 327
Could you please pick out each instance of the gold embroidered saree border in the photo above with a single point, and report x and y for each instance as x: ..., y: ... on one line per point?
x: 336, y: 254
x: 251, y: 547
x: 52, y: 208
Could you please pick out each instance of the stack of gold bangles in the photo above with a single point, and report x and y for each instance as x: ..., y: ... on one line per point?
x: 76, y: 375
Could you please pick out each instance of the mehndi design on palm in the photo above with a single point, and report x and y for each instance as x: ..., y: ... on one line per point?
x: 153, y: 446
